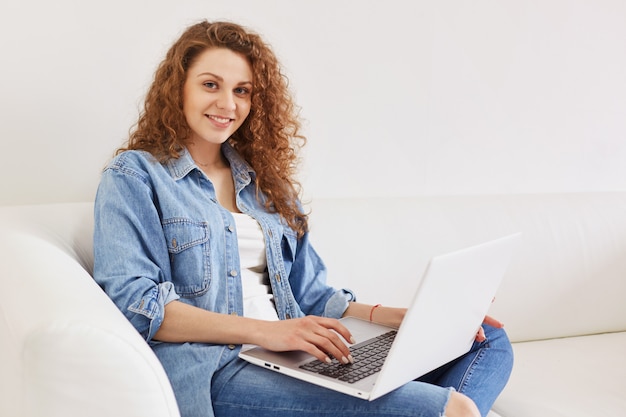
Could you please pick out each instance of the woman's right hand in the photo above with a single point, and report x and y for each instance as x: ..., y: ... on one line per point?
x: 317, y: 336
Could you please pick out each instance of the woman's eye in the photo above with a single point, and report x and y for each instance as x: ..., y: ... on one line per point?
x: 242, y: 91
x: 210, y: 84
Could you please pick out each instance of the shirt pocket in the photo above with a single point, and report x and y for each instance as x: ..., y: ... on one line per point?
x: 289, y: 244
x: 189, y: 250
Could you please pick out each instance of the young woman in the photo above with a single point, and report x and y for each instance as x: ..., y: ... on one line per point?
x: 202, y: 243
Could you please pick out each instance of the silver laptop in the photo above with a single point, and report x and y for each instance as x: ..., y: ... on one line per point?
x: 440, y: 325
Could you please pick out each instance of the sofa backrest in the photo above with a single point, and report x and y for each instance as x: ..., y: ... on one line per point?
x: 567, y: 278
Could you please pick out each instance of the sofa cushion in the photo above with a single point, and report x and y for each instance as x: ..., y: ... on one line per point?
x: 570, y: 377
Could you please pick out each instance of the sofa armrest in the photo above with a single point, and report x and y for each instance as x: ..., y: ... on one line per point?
x: 65, y: 349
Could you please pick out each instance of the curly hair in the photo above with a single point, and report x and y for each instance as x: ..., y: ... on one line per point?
x: 269, y: 137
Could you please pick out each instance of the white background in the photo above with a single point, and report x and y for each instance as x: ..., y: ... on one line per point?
x: 398, y: 97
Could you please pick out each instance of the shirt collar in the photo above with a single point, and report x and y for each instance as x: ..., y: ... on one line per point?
x: 184, y: 164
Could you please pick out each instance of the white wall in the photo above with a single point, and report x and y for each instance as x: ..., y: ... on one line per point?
x: 439, y: 97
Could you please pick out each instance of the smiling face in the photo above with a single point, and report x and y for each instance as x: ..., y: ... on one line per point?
x: 216, y: 96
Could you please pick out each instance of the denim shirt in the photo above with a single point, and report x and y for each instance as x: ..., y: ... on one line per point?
x: 161, y: 235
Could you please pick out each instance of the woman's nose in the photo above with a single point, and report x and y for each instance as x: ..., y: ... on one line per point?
x: 226, y: 101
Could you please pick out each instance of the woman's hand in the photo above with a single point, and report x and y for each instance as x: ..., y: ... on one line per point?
x: 317, y: 336
x: 480, y: 336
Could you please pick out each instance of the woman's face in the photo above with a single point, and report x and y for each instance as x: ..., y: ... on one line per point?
x: 216, y: 95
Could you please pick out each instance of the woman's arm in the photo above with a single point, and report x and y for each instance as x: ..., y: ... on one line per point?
x: 391, y: 316
x: 185, y: 323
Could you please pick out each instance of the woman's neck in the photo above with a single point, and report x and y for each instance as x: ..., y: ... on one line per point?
x: 208, y: 156
x: 216, y: 167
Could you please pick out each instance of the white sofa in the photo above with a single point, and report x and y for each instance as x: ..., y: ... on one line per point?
x: 65, y: 350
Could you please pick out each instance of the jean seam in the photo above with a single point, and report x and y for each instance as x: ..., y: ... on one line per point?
x: 467, y: 376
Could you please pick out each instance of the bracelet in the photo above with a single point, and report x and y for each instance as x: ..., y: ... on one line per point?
x: 372, y: 310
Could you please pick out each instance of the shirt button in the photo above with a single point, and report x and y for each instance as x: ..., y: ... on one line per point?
x: 287, y: 316
x: 233, y: 273
x: 231, y: 347
x: 234, y: 313
x: 277, y: 276
x: 230, y: 228
x: 174, y: 243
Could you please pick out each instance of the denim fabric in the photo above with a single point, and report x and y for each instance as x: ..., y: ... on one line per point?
x: 160, y: 235
x: 482, y: 373
x: 243, y: 390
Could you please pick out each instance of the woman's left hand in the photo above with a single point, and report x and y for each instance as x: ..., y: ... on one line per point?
x: 490, y: 321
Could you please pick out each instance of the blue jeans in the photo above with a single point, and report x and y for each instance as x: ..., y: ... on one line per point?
x: 482, y: 373
x: 243, y: 390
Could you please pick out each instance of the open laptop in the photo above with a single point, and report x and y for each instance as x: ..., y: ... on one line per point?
x: 440, y: 325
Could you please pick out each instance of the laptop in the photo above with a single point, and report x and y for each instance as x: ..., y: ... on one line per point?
x: 440, y: 325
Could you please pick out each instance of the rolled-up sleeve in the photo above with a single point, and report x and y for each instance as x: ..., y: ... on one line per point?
x: 338, y: 303
x: 146, y: 314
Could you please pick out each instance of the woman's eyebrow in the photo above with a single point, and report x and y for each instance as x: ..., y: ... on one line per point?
x: 204, y: 74
x: 221, y: 79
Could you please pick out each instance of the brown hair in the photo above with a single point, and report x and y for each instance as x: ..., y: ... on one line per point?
x: 267, y: 139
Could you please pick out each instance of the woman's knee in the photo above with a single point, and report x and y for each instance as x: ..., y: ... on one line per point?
x: 498, y: 340
x: 460, y: 405
x: 497, y: 336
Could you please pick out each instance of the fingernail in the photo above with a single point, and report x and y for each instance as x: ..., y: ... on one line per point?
x: 352, y: 340
x: 345, y: 360
x: 350, y: 358
x: 328, y: 360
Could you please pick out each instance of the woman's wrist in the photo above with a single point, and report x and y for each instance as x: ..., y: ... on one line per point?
x: 389, y: 316
x: 372, y: 311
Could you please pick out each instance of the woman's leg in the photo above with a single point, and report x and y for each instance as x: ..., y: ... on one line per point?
x: 482, y: 373
x: 244, y: 390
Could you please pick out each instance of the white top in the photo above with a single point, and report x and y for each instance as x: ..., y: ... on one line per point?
x: 258, y: 301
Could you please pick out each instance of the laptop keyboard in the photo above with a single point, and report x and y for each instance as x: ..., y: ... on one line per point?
x: 368, y: 359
